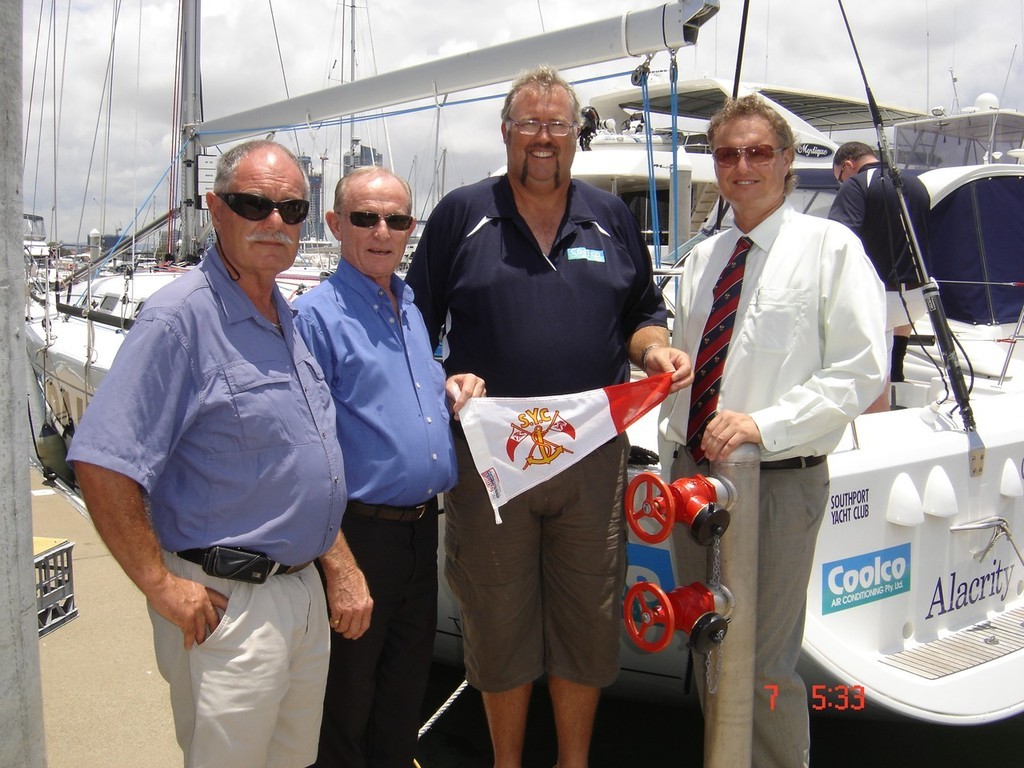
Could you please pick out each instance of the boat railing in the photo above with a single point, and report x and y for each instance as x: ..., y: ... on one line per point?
x: 1018, y: 335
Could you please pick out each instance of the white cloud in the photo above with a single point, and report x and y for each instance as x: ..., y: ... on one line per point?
x: 908, y: 49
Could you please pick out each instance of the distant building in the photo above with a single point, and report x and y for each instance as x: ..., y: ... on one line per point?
x: 313, y: 226
x: 361, y: 155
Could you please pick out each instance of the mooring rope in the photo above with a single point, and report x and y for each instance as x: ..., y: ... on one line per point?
x: 442, y: 709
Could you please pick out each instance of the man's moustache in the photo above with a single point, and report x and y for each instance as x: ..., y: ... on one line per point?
x: 273, y: 237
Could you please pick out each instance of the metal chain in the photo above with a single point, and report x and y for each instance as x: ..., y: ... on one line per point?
x: 711, y: 679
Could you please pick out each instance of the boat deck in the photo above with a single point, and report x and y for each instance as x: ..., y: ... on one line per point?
x: 968, y: 648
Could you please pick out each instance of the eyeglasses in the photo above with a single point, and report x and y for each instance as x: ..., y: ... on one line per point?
x: 533, y: 127
x: 368, y: 219
x: 257, y: 207
x: 762, y: 154
x: 841, y: 171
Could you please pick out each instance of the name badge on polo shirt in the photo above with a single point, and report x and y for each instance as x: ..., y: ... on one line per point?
x: 585, y: 254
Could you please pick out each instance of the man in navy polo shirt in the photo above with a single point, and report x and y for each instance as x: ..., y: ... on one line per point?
x: 867, y: 203
x: 541, y: 285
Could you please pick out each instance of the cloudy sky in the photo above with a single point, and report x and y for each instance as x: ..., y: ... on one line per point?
x: 912, y: 50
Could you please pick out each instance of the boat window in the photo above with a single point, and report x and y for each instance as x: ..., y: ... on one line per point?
x: 965, y: 139
x: 639, y: 204
x: 109, y: 303
x: 814, y: 202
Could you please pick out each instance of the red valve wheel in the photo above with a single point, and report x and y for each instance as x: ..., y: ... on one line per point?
x: 652, y: 518
x: 647, y: 609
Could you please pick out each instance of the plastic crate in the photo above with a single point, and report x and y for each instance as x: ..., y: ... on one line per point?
x: 55, y: 583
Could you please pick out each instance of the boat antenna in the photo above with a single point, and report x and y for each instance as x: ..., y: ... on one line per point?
x: 930, y: 290
x: 740, y: 48
x: 735, y: 93
x: 1009, y: 71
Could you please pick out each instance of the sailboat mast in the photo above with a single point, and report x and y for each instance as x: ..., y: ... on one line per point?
x: 353, y: 142
x: 191, y: 116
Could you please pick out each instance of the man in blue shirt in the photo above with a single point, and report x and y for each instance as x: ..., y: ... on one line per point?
x: 393, y: 424
x: 543, y: 286
x: 210, y: 466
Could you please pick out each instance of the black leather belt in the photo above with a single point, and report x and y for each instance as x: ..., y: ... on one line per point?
x: 908, y: 286
x: 393, y: 514
x: 797, y: 462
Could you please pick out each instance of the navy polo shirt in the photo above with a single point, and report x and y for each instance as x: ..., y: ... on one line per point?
x: 531, y: 324
x: 868, y: 204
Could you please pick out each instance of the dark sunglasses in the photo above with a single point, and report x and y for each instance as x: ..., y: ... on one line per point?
x: 257, y: 207
x: 367, y: 219
x: 759, y: 155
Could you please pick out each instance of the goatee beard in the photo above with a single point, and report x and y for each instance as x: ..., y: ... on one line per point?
x: 558, y: 173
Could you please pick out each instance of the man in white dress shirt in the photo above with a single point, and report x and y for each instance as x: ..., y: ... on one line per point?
x: 806, y: 356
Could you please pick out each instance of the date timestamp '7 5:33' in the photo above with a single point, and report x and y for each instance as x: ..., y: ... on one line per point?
x: 838, y: 697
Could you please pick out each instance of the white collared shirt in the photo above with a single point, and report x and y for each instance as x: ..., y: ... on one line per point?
x: 808, y: 351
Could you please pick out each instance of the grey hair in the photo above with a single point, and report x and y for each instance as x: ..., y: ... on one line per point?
x: 545, y: 78
x: 227, y: 165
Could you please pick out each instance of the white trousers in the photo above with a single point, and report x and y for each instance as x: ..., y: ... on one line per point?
x: 252, y: 693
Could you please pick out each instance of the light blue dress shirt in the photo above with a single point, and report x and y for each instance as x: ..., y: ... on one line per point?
x: 387, y: 387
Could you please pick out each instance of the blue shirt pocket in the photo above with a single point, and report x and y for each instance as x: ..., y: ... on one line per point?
x: 261, y: 395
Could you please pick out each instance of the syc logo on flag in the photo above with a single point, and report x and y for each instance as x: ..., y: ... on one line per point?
x: 535, y: 424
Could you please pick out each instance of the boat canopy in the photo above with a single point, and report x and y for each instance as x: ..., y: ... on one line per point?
x: 975, y: 249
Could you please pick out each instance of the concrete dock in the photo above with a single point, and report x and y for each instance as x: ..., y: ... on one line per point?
x: 104, y: 702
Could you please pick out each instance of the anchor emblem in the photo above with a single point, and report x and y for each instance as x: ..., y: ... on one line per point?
x: 536, y: 424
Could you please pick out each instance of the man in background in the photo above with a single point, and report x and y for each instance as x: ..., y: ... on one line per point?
x: 369, y: 338
x: 868, y: 204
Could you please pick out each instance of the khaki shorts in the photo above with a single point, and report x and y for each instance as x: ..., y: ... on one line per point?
x: 542, y: 592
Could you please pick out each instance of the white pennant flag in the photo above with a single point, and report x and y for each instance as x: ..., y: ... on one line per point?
x: 519, y: 442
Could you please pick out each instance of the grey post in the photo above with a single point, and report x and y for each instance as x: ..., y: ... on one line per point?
x: 21, y: 702
x: 729, y: 712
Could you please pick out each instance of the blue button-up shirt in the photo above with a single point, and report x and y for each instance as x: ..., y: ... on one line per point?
x: 225, y: 422
x: 387, y: 387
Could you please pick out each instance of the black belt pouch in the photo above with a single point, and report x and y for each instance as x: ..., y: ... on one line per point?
x: 238, y: 564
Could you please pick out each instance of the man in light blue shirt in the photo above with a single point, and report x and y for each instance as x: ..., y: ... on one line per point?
x: 393, y: 424
x: 210, y: 466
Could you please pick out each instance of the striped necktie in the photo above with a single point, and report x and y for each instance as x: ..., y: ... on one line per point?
x: 714, y: 344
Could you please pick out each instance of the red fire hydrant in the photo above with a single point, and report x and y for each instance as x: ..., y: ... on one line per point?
x: 652, y: 616
x: 702, y: 504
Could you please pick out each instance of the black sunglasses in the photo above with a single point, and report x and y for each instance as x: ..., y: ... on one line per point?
x: 257, y: 207
x: 367, y: 219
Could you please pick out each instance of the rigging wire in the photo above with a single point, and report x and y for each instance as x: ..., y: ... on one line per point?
x: 105, y: 90
x: 280, y: 58
x: 642, y: 77
x: 940, y: 325
x: 31, y: 95
x: 674, y: 197
x: 740, y: 47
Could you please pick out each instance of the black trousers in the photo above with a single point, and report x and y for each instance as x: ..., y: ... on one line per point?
x: 376, y: 684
